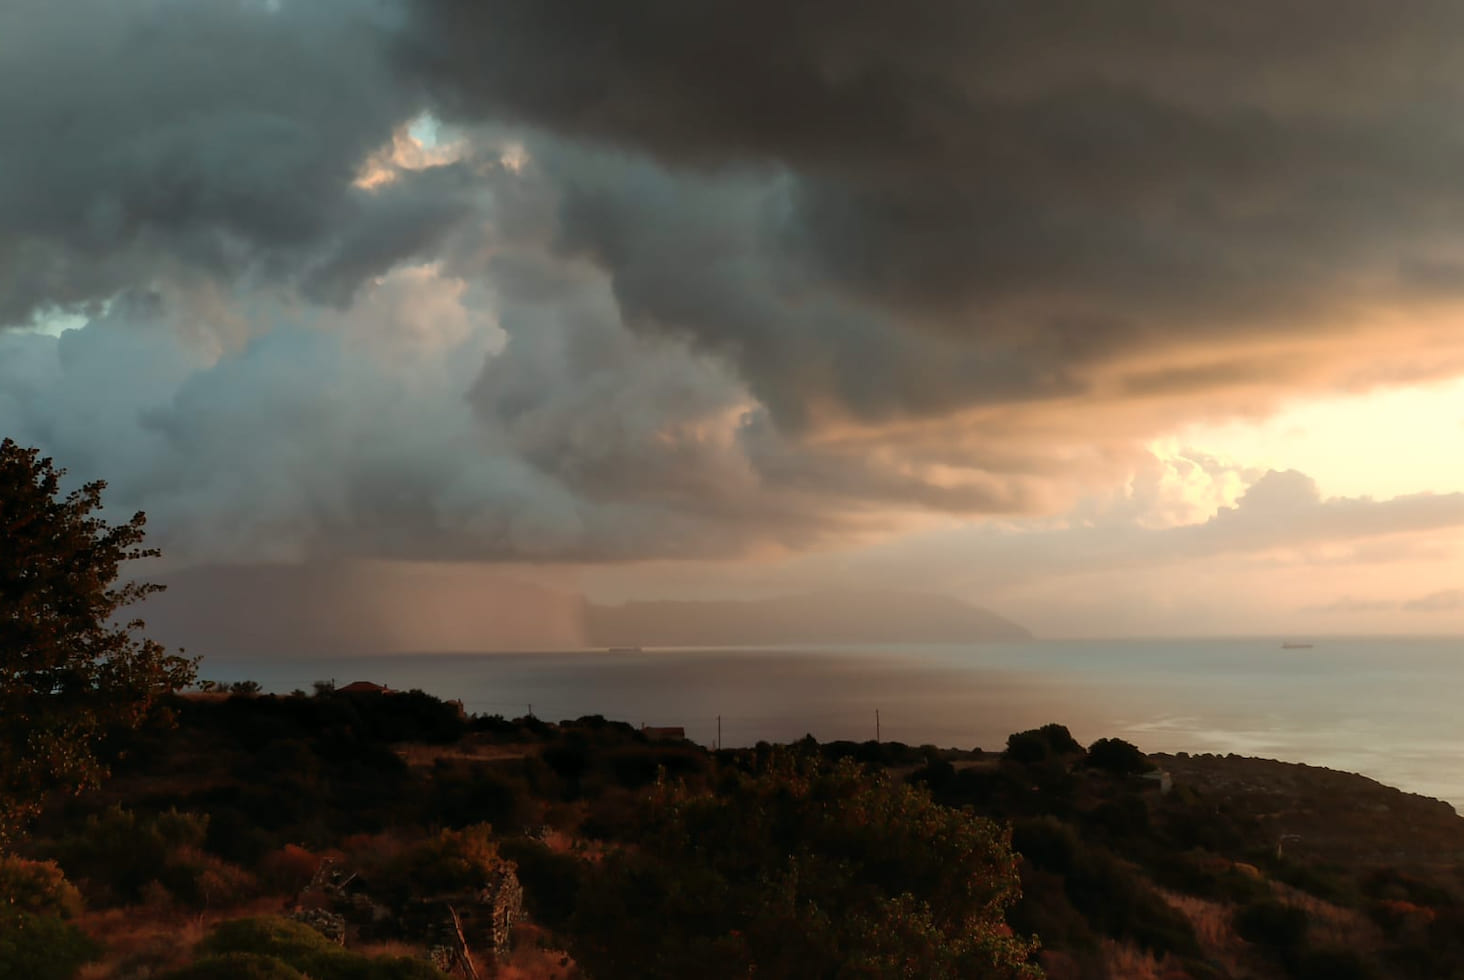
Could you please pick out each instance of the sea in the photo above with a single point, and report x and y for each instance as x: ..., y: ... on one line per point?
x: 1387, y: 707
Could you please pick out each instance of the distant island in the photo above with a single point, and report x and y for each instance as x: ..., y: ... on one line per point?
x: 342, y: 608
x: 819, y: 617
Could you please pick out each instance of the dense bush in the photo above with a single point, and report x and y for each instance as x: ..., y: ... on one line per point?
x: 41, y: 947
x: 1206, y: 875
x: 302, y: 948
x: 120, y: 850
x: 452, y: 861
x: 1114, y: 898
x: 1332, y: 964
x: 237, y: 966
x: 463, y: 794
x: 121, y: 853
x: 802, y: 870
x: 1039, y: 744
x: 289, y: 869
x: 1117, y: 756
x: 37, y: 887
x: 551, y: 880
x: 1271, y: 924
x: 1027, y: 748
x: 1328, y: 883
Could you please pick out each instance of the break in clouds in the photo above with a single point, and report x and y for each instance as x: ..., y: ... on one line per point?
x: 575, y: 281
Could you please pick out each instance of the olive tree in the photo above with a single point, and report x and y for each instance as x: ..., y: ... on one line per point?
x: 72, y: 668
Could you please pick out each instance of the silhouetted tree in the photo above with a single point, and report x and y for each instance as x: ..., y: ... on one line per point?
x: 1039, y: 744
x: 1117, y: 756
x: 70, y: 672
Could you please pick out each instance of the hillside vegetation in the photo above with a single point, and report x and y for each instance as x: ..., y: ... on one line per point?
x: 385, y: 835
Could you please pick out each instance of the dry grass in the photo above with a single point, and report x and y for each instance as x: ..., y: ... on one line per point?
x: 1123, y: 961
x: 1218, y: 939
x: 390, y: 947
x: 469, y: 750
x: 140, y: 941
x: 1331, y: 926
x: 533, y: 957
x: 1210, y: 920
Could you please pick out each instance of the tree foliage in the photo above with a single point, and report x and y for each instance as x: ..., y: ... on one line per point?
x: 1117, y: 756
x: 804, y: 870
x: 71, y: 670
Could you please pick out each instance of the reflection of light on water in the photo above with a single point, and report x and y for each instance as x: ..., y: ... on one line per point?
x: 1377, y: 707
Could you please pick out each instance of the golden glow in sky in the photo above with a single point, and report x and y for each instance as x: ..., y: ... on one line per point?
x: 1382, y: 444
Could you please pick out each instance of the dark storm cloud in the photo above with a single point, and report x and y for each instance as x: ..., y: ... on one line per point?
x: 154, y: 138
x: 1007, y: 200
x: 701, y: 279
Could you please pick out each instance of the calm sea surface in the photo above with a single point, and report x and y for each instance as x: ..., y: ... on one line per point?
x: 1389, y: 708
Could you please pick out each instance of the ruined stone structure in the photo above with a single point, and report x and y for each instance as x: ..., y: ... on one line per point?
x: 486, y: 917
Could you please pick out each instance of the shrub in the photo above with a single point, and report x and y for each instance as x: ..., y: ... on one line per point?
x: 272, y: 939
x: 1117, y: 756
x: 1027, y: 748
x: 1207, y: 876
x: 1271, y: 924
x: 801, y: 869
x: 1110, y: 894
x: 464, y: 794
x: 1331, y: 884
x: 289, y: 869
x: 41, y: 947
x: 454, y: 860
x: 122, y: 851
x: 1332, y: 964
x: 1059, y: 739
x: 205, y: 881
x: 1038, y: 744
x: 37, y: 887
x: 551, y: 880
x: 270, y: 936
x: 237, y: 966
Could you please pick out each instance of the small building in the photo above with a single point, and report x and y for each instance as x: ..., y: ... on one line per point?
x: 666, y: 733
x: 364, y: 687
x: 1162, y: 777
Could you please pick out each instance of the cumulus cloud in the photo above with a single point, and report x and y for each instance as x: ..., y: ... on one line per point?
x: 672, y: 282
x: 157, y: 139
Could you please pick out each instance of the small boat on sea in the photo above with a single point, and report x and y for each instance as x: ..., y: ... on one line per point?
x: 1296, y: 646
x: 625, y: 649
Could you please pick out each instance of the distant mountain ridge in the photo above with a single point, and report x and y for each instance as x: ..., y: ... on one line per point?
x: 819, y: 617
x: 349, y: 608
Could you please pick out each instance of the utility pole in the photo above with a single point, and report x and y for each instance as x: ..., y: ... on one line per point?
x: 719, y: 732
x: 876, y: 724
x: 531, y: 709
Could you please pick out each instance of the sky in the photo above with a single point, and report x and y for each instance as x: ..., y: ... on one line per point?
x: 1140, y: 319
